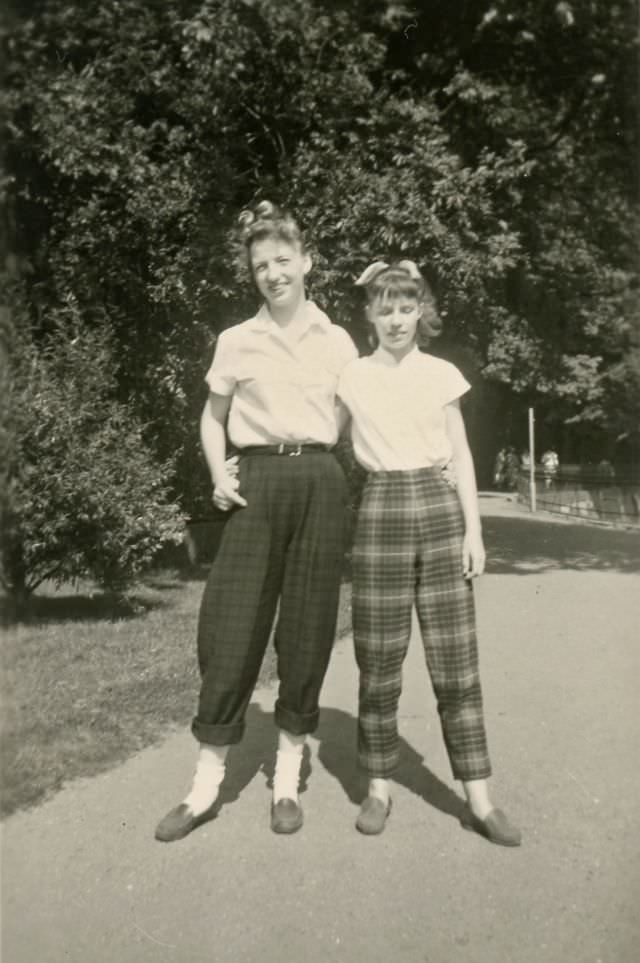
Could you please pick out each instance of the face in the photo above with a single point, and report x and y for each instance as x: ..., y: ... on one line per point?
x: 396, y: 323
x: 279, y: 270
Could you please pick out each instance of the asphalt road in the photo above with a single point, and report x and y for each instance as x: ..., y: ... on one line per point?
x: 84, y: 881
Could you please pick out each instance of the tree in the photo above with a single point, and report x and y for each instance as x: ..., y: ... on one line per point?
x: 83, y: 495
x: 494, y: 142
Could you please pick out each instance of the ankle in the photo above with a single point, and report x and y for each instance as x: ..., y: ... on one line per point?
x: 210, y: 771
x: 477, y: 793
x: 379, y: 788
x: 287, y: 774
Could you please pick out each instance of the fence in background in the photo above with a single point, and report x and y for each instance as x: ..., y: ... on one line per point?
x: 599, y: 494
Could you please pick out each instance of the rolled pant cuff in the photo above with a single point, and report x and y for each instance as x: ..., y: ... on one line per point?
x: 218, y: 735
x: 471, y: 775
x: 298, y: 724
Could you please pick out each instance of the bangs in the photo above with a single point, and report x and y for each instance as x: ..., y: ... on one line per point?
x: 392, y: 284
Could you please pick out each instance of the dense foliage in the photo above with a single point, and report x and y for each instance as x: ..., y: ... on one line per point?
x: 494, y: 142
x: 83, y: 495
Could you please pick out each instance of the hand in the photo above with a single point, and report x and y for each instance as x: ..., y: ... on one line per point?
x: 449, y: 475
x: 232, y: 467
x: 473, y: 555
x: 225, y: 494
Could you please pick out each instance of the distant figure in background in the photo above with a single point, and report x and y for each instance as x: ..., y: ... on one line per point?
x: 525, y: 460
x: 606, y: 469
x: 499, y: 469
x: 506, y: 469
x: 550, y: 465
x: 511, y: 469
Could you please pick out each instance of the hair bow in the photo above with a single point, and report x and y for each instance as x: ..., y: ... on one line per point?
x: 246, y: 218
x: 378, y: 267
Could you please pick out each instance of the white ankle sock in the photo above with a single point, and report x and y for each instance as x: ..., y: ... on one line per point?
x: 287, y: 774
x: 207, y: 779
x: 380, y: 789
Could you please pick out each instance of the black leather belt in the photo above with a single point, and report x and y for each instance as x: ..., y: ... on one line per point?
x: 284, y: 448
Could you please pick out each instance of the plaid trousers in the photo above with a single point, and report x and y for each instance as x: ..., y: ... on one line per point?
x: 287, y: 545
x: 408, y: 550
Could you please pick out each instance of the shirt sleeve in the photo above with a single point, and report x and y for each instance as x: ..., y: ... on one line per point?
x: 347, y: 350
x: 454, y: 384
x: 343, y: 390
x: 221, y: 376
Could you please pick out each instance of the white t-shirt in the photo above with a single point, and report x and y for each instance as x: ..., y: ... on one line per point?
x: 397, y: 409
x: 283, y: 389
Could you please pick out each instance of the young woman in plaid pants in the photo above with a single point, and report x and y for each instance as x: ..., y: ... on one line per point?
x: 272, y: 388
x: 418, y: 543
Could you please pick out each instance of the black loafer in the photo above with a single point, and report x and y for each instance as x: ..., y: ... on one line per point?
x: 373, y: 816
x: 495, y: 827
x: 180, y: 821
x: 286, y: 816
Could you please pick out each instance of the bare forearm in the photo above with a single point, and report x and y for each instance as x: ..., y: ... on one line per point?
x: 463, y: 466
x: 467, y: 488
x: 214, y: 444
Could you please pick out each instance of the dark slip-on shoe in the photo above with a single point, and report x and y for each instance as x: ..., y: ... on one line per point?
x: 495, y: 827
x: 181, y: 821
x: 286, y: 816
x: 372, y: 816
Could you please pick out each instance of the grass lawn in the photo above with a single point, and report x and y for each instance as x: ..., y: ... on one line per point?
x: 86, y: 682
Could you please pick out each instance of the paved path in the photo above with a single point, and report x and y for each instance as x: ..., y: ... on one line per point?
x: 85, y: 882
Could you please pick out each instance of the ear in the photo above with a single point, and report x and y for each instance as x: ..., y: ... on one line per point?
x: 307, y: 263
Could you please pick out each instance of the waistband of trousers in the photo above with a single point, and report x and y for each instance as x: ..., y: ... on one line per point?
x: 286, y: 448
x: 408, y: 475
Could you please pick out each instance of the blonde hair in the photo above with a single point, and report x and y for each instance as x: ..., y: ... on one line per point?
x: 388, y: 282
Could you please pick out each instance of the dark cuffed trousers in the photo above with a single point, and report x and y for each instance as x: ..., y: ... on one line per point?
x: 408, y: 551
x: 287, y: 545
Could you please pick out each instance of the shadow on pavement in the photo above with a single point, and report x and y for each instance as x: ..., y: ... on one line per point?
x: 518, y: 546
x: 337, y: 753
x: 256, y: 753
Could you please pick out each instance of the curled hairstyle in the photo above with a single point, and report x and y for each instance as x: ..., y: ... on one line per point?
x: 267, y: 221
x: 388, y: 282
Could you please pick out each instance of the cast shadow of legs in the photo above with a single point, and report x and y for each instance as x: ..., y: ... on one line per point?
x: 256, y: 754
x: 337, y: 752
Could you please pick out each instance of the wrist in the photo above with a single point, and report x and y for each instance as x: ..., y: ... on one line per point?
x: 218, y: 476
x: 474, y: 530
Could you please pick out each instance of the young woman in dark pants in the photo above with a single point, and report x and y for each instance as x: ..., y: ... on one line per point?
x: 273, y: 390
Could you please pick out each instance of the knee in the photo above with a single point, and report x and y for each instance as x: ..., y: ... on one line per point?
x: 380, y: 688
x: 458, y: 695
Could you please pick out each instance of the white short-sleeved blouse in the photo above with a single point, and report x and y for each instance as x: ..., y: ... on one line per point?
x: 398, y: 409
x: 282, y: 390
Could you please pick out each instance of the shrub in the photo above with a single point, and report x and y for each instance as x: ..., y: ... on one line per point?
x: 83, y: 496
